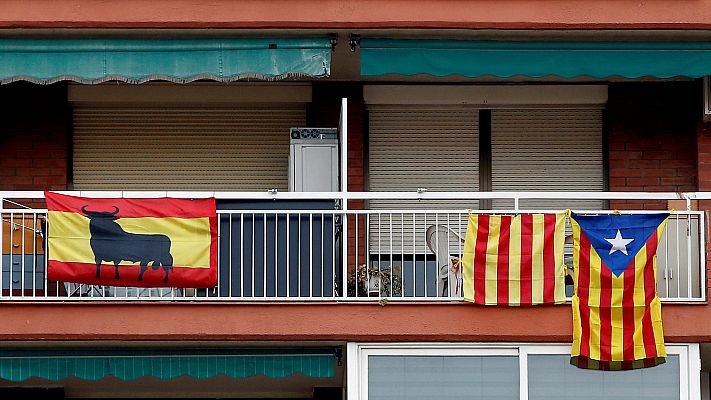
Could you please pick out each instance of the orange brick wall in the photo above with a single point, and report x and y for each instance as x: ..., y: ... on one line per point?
x: 652, y: 139
x: 704, y: 165
x: 33, y: 137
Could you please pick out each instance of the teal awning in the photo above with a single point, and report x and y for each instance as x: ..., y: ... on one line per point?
x: 535, y: 59
x: 175, y: 60
x: 164, y: 364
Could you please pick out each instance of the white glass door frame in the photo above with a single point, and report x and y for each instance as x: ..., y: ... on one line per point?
x: 358, y: 354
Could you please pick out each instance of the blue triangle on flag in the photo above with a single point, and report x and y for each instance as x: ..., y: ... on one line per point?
x: 617, y: 238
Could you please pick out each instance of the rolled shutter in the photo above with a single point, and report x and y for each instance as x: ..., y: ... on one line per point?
x: 182, y: 148
x: 433, y: 147
x: 547, y: 150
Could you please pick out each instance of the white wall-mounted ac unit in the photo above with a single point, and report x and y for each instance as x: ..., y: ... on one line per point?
x: 707, y: 99
x: 313, y: 160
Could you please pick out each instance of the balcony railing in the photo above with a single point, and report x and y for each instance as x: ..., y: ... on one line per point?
x: 295, y: 249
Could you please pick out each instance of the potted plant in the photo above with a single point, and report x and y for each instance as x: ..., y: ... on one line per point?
x: 371, y: 281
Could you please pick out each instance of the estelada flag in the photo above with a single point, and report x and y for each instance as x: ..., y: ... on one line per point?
x: 132, y: 242
x: 514, y: 260
x: 617, y: 315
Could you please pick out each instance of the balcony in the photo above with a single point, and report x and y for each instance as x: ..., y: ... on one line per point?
x: 291, y: 246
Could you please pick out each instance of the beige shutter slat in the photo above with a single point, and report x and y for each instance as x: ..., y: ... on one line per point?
x: 410, y: 147
x: 547, y: 150
x: 182, y: 148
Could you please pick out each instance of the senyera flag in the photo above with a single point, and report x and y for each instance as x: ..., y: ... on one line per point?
x: 617, y: 315
x: 514, y: 260
x: 132, y: 242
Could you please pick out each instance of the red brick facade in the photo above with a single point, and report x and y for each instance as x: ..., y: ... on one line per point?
x: 33, y: 137
x: 704, y: 168
x: 652, y: 139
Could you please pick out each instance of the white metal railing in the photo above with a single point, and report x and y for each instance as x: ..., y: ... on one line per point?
x: 404, y: 254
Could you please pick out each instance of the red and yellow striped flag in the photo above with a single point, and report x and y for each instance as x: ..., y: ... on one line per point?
x: 132, y: 242
x: 617, y: 316
x: 514, y: 260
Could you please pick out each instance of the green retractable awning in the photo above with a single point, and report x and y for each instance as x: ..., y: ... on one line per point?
x: 176, y: 60
x: 19, y: 365
x: 535, y: 59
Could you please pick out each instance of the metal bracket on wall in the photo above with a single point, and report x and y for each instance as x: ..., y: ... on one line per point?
x: 353, y: 41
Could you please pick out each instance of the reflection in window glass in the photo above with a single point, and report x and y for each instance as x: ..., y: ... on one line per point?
x: 443, y: 377
x: 552, y: 377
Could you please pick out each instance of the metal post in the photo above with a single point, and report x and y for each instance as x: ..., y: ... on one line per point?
x: 343, y: 129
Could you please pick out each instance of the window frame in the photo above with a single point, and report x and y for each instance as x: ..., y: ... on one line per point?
x: 358, y: 353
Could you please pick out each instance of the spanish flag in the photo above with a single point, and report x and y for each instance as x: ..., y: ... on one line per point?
x: 514, y: 260
x: 132, y: 242
x: 617, y: 316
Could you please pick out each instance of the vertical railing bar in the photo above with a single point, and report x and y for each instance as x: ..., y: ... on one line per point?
x: 402, y: 254
x: 311, y: 254
x: 392, y: 263
x: 366, y: 256
x: 414, y: 256
x: 288, y: 255
x: 241, y: 255
x: 34, y: 255
x: 357, y: 250
x: 46, y: 257
x: 690, y: 291
x: 219, y: 275
x: 459, y: 252
x: 276, y: 254
x: 23, y: 251
x: 46, y: 262
x: 254, y: 254
x: 438, y: 262
x: 344, y: 272
x: 678, y: 260
x: 449, y: 272
x: 424, y: 248
x: 229, y: 254
x: 667, y: 271
x: 380, y: 252
x: 323, y: 261
x: 298, y: 254
x: 264, y: 216
x: 12, y: 245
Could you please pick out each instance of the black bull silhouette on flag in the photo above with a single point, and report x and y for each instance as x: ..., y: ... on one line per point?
x: 109, y: 242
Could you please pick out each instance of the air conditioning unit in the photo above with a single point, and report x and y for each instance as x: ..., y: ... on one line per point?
x: 313, y: 160
x: 707, y: 99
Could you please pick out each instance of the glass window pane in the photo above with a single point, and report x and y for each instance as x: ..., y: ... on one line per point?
x: 442, y: 377
x: 552, y: 377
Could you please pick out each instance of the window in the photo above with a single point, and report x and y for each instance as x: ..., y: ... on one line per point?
x: 509, y: 371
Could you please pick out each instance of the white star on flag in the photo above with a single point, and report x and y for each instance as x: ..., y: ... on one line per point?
x: 618, y: 243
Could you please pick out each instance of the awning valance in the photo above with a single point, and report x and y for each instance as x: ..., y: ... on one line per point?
x: 19, y: 365
x: 175, y: 60
x: 534, y: 59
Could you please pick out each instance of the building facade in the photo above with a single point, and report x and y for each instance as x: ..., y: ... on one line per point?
x: 437, y: 107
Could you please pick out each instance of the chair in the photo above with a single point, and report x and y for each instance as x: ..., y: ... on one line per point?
x: 442, y: 240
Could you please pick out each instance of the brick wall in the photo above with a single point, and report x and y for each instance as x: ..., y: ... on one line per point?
x: 325, y: 111
x: 33, y: 137
x: 652, y: 139
x: 704, y: 165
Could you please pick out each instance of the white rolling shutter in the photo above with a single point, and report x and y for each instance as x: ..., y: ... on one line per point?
x: 547, y: 150
x: 410, y: 147
x: 182, y: 147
